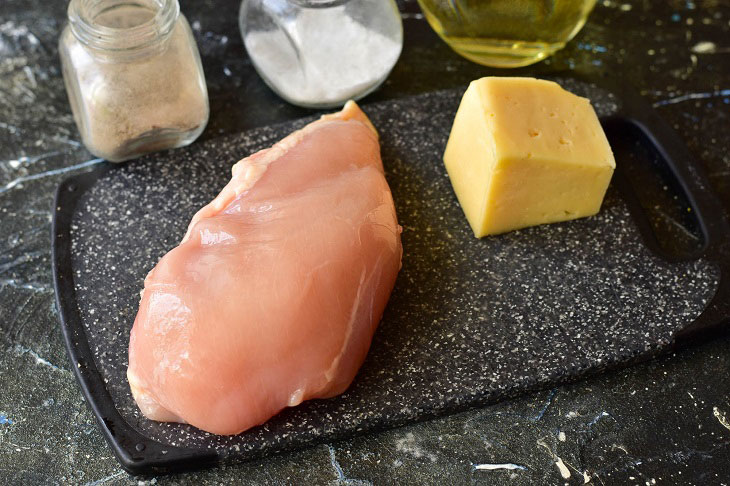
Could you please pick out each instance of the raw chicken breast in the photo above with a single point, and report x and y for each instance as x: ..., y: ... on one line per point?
x: 275, y: 292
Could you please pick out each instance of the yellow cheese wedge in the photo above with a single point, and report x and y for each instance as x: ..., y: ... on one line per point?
x: 523, y: 152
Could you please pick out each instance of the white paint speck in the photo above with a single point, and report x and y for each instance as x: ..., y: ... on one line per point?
x: 17, y: 182
x: 493, y: 467
x: 31, y: 77
x: 35, y: 287
x: 704, y: 47
x: 17, y: 32
x: 409, y: 445
x: 619, y: 447
x: 561, y: 436
x: 564, y: 471
x: 692, y: 96
x: 105, y: 479
x: 721, y: 417
x: 21, y: 350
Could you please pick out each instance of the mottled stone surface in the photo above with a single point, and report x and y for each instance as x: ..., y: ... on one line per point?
x: 665, y: 422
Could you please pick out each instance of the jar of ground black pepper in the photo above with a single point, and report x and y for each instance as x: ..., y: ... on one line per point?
x: 133, y: 76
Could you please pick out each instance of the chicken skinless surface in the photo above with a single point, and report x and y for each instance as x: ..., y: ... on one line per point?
x: 275, y: 292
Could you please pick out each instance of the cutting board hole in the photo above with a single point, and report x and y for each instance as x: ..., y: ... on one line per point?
x: 654, y: 194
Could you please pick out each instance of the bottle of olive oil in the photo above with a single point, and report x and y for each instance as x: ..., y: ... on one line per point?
x: 506, y: 33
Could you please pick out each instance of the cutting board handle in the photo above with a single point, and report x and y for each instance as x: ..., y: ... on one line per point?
x: 711, y: 216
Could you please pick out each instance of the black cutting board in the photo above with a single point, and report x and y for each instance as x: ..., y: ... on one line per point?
x: 469, y: 322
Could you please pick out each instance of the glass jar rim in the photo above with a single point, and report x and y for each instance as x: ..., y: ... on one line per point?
x: 82, y: 13
x: 318, y: 3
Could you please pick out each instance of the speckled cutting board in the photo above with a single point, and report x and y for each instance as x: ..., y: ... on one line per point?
x: 469, y: 322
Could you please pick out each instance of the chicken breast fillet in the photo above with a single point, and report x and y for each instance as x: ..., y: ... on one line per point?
x: 274, y: 293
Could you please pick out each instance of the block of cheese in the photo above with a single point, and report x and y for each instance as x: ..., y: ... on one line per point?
x: 524, y: 151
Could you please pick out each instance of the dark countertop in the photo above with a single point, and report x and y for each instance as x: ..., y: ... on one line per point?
x: 664, y: 422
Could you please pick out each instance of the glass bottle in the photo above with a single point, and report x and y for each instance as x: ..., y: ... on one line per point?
x: 133, y: 76
x: 321, y: 53
x: 506, y: 33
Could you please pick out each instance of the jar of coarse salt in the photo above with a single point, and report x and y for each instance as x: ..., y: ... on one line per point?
x: 321, y: 53
x: 133, y: 76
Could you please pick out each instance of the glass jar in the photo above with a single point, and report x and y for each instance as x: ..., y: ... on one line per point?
x: 133, y: 76
x: 321, y: 53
